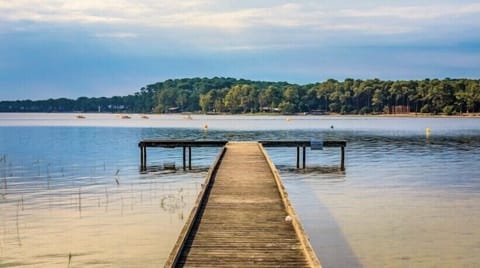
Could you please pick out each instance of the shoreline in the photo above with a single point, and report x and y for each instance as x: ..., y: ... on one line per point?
x: 79, y: 115
x: 408, y: 115
x: 189, y: 116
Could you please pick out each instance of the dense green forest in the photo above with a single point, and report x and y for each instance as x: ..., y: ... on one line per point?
x: 229, y: 95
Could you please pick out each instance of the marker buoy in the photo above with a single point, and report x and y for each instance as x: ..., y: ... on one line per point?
x: 428, y: 131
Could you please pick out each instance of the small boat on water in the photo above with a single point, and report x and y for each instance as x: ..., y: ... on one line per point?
x: 145, y: 117
x: 125, y: 117
x: 80, y: 117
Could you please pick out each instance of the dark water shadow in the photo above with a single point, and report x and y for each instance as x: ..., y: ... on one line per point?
x: 326, y: 236
x: 313, y: 170
x: 161, y: 170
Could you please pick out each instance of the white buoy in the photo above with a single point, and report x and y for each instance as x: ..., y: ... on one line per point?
x: 428, y: 131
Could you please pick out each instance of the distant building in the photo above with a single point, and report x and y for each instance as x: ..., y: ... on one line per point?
x: 318, y: 112
x: 270, y: 109
x: 174, y: 110
x: 401, y: 109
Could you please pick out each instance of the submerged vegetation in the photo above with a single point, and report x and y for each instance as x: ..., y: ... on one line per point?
x: 229, y: 95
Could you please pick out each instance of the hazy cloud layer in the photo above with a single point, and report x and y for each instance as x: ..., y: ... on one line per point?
x: 315, y: 39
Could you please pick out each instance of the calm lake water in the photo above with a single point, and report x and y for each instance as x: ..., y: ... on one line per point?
x: 71, y: 193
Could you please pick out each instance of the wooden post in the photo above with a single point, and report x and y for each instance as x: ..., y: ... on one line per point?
x: 342, y: 163
x: 298, y: 157
x: 142, y: 164
x: 189, y: 157
x: 145, y: 157
x: 184, y: 160
x: 304, y: 154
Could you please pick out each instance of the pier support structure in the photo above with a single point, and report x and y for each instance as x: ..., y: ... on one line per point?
x: 189, y: 157
x: 188, y: 144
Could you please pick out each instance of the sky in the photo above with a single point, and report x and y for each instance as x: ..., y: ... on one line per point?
x: 55, y: 48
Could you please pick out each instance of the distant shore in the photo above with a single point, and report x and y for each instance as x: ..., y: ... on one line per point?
x: 410, y: 115
x: 125, y: 115
x: 416, y: 115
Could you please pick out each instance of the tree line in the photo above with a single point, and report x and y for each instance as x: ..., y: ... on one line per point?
x: 230, y: 95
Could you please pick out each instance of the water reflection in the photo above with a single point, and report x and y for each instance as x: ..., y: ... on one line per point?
x: 94, y: 221
x: 74, y: 194
x: 326, y: 236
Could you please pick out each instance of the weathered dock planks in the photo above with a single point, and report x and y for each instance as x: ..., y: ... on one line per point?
x: 242, y: 217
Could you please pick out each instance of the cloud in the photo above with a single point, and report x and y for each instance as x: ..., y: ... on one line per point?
x: 96, y: 47
x: 216, y: 25
x: 52, y: 11
x: 427, y: 12
x: 213, y: 15
x: 116, y: 35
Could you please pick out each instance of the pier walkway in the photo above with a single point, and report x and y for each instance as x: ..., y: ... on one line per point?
x: 242, y: 217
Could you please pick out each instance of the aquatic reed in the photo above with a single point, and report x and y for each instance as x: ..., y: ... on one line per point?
x: 3, y: 160
x: 106, y: 199
x: 80, y: 201
x: 48, y: 176
x: 117, y: 177
x: 18, y: 228
x: 132, y: 196
x: 121, y: 201
x: 37, y: 163
x: 10, y: 173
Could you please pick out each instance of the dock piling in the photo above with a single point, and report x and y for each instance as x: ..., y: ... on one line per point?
x: 143, y: 158
x: 298, y: 156
x: 203, y: 143
x: 304, y: 154
x: 189, y: 157
x: 184, y: 166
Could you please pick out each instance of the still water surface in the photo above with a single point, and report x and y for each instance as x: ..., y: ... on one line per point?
x: 71, y: 194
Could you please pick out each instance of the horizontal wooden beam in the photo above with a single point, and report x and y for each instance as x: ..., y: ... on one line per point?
x: 220, y: 143
x: 302, y: 143
x: 181, y: 143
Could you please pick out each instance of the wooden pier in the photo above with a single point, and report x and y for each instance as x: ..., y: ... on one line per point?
x: 185, y: 144
x: 188, y: 144
x: 312, y: 144
x: 242, y: 217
